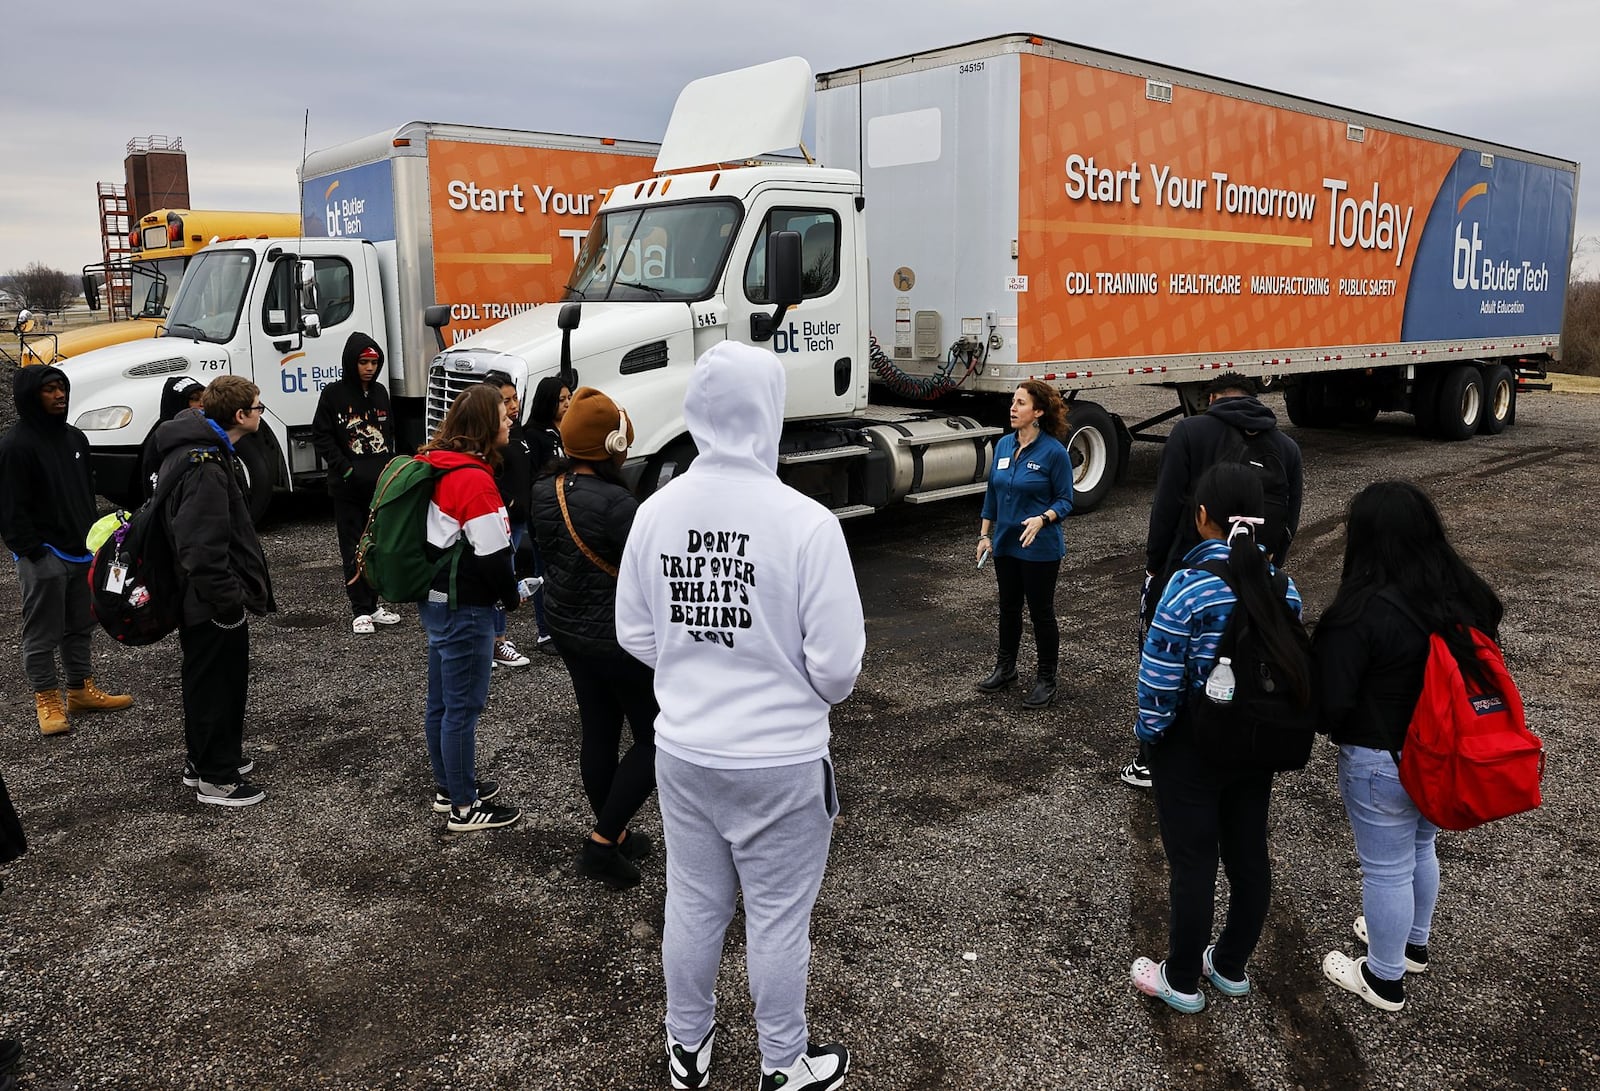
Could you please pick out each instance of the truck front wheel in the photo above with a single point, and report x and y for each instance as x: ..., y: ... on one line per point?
x: 1460, y: 405
x: 1500, y: 399
x: 1096, y: 454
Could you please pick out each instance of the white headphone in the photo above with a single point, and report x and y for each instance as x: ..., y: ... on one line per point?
x: 617, y: 442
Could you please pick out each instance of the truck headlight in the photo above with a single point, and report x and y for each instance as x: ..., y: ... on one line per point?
x: 104, y: 420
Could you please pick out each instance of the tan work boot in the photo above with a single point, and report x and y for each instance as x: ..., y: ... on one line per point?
x: 89, y: 698
x: 52, y: 717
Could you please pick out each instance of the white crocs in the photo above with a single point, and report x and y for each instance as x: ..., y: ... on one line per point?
x: 1412, y: 965
x: 1345, y: 972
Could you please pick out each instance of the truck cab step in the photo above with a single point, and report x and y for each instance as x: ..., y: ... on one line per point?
x: 825, y: 454
x: 946, y: 493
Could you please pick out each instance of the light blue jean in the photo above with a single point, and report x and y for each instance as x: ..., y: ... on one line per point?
x: 1399, y: 871
x: 460, y: 657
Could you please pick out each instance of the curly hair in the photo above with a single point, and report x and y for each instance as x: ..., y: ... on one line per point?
x: 1047, y: 398
x: 472, y: 424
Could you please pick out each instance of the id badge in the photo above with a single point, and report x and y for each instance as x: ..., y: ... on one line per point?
x: 116, y: 576
x: 1003, y: 464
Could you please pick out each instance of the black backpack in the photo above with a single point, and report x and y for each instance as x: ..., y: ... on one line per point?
x: 1264, y: 727
x: 1259, y: 451
x: 134, y: 590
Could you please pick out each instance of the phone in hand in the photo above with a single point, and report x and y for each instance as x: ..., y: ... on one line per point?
x: 983, y: 559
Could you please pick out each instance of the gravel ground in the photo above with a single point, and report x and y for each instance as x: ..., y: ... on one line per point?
x: 989, y: 885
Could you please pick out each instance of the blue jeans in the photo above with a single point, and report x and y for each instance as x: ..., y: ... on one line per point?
x: 1399, y: 871
x: 460, y: 656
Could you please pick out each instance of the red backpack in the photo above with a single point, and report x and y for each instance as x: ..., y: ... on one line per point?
x: 1469, y: 757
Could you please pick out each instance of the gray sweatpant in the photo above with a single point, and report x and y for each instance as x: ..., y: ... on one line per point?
x: 766, y: 832
x: 55, y: 614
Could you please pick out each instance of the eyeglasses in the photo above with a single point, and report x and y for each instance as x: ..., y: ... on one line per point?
x: 256, y: 409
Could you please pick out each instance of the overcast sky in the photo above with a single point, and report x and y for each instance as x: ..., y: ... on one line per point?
x: 234, y: 80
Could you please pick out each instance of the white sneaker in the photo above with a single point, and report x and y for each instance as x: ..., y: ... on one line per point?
x: 362, y: 624
x: 820, y: 1068
x: 506, y: 655
x: 690, y: 1066
x: 385, y: 616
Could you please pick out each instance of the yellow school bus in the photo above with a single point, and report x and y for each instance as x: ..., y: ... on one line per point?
x: 138, y: 292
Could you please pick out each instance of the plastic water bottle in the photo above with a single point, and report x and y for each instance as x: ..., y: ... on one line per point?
x: 526, y: 588
x: 1219, y: 684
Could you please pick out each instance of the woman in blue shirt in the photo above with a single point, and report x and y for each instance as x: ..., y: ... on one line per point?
x: 1030, y: 492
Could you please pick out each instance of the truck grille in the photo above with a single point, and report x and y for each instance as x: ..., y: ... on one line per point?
x: 443, y: 387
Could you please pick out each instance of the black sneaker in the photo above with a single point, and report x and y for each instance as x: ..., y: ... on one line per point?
x: 607, y: 864
x: 690, y: 1066
x: 240, y: 793
x: 1136, y: 773
x: 481, y: 816
x: 819, y: 1068
x: 636, y: 845
x: 487, y: 790
x: 191, y: 779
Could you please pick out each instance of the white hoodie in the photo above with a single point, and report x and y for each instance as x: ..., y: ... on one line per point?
x: 737, y: 589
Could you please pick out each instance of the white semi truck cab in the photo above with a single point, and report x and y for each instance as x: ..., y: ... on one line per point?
x: 772, y: 256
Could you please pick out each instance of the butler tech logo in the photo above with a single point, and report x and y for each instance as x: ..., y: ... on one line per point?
x: 1472, y: 270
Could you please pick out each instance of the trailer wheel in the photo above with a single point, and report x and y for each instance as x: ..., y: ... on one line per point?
x: 670, y: 463
x: 1096, y: 454
x: 1307, y: 403
x: 1500, y: 399
x: 256, y: 460
x: 1460, y: 404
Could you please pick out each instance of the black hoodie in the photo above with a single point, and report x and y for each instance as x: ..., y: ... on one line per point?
x: 174, y: 400
x: 352, y: 428
x: 1195, y: 445
x: 46, y: 487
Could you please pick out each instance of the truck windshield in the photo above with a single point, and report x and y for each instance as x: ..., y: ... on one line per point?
x: 212, y: 295
x: 154, y: 283
x: 672, y: 252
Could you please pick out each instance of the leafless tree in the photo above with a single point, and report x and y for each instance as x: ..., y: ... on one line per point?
x: 41, y: 288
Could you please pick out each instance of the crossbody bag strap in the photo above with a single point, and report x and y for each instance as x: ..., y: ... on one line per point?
x: 583, y: 547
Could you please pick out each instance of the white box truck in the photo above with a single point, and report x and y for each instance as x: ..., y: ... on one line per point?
x: 484, y: 222
x: 1025, y: 208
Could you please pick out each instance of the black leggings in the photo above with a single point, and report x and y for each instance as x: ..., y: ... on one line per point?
x: 349, y: 520
x: 609, y: 689
x: 1203, y: 813
x: 1035, y: 582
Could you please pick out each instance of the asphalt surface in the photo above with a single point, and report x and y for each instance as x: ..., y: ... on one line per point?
x: 990, y: 882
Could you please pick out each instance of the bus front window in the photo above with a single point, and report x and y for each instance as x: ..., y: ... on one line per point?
x: 154, y: 285
x: 211, y: 297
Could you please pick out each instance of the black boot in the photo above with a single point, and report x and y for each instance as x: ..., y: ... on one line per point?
x: 1043, y: 691
x: 607, y: 864
x: 1004, y: 673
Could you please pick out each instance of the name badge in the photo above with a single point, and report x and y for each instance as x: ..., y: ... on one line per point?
x: 116, y: 576
x: 1003, y: 463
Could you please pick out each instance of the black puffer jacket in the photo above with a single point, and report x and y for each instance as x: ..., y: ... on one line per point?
x: 220, y: 562
x: 580, y: 600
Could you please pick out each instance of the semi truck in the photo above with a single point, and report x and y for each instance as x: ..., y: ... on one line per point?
x: 162, y: 242
x: 483, y: 222
x: 1024, y: 208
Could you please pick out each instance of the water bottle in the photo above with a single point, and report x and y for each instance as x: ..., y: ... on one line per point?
x: 1219, y: 684
x: 527, y: 587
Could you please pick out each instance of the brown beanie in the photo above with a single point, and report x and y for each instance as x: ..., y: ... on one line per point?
x: 590, y: 418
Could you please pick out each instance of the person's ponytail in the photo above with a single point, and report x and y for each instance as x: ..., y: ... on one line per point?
x: 1232, y: 497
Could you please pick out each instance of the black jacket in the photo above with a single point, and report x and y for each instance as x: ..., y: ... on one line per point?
x: 174, y: 400
x: 220, y: 563
x: 13, y: 842
x: 1368, y: 675
x: 1194, y: 446
x: 515, y: 476
x: 580, y: 601
x: 46, y: 486
x: 547, y: 453
x: 352, y: 429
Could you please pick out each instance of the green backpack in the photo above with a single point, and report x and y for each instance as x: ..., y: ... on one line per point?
x: 392, y: 555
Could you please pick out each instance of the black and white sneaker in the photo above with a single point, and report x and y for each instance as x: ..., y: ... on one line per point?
x: 191, y: 779
x: 820, y: 1068
x: 240, y: 793
x: 690, y: 1066
x: 481, y: 816
x: 487, y: 790
x: 1136, y: 773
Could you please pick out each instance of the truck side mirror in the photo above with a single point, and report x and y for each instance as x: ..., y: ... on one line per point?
x: 303, y: 303
x: 566, y: 321
x: 91, y: 292
x: 783, y: 282
x: 436, y: 318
